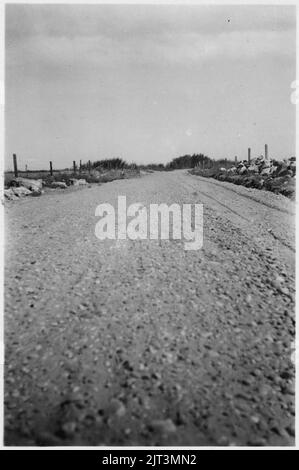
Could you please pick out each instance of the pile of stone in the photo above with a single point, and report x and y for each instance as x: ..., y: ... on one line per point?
x: 262, y: 173
x: 21, y: 187
x: 265, y: 167
x: 76, y: 182
x: 58, y: 184
x: 15, y: 193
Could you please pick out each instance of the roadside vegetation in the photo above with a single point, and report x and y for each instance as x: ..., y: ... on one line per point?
x: 259, y: 173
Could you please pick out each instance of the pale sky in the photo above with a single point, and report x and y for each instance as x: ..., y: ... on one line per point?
x: 148, y: 82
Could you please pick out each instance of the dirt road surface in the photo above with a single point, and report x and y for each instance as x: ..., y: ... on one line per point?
x: 141, y: 342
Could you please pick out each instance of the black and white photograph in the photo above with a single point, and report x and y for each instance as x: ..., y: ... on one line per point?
x: 149, y: 180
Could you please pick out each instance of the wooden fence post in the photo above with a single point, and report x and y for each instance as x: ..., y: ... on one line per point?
x: 89, y: 166
x: 266, y: 152
x: 226, y: 163
x: 80, y: 166
x: 51, y: 169
x: 249, y: 155
x: 74, y: 166
x: 15, y: 165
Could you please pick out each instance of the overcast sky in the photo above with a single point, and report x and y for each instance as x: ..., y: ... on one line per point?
x: 147, y: 83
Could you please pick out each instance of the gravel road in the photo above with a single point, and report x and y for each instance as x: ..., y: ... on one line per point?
x: 141, y: 342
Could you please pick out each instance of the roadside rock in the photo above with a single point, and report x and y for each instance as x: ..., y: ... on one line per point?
x: 10, y: 195
x: 78, y: 182
x: 33, y: 185
x: 58, y: 184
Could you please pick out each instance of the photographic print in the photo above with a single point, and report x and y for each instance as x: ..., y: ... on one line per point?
x: 149, y: 236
